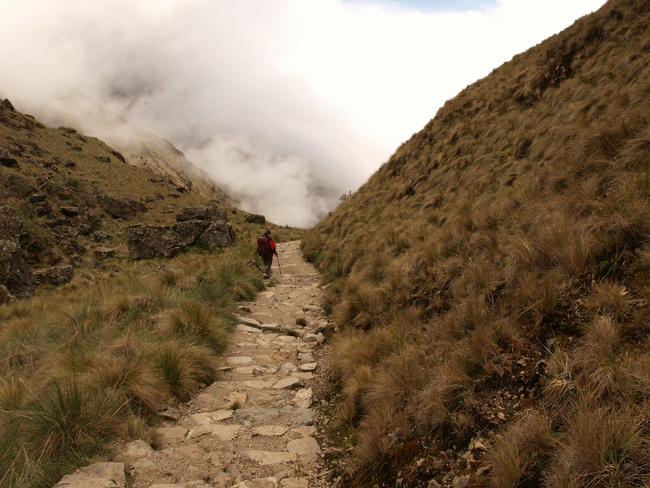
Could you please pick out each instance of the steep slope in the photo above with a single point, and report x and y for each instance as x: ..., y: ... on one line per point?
x: 66, y: 199
x: 492, y: 277
x: 138, y: 146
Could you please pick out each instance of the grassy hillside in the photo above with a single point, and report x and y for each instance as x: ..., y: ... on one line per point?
x: 491, y: 280
x: 97, y: 358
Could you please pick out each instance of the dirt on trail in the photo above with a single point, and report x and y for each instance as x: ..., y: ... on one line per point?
x: 255, y: 427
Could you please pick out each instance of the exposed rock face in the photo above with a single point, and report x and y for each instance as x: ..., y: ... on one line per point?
x: 120, y: 209
x: 15, y: 275
x: 187, y: 232
x: 10, y: 224
x: 53, y: 276
x: 202, y: 225
x: 218, y: 234
x: 255, y: 219
x: 6, y: 159
x: 146, y: 241
x: 201, y: 213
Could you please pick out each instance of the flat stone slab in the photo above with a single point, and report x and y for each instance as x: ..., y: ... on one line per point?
x: 304, y: 376
x: 308, y: 366
x: 299, y: 416
x: 306, y: 445
x: 240, y: 360
x: 294, y: 483
x: 261, y: 370
x: 226, y: 432
x: 201, y: 429
x: 216, y: 416
x: 288, y: 367
x: 248, y: 328
x: 288, y: 383
x: 266, y: 457
x: 172, y: 434
x: 269, y: 431
x: 270, y: 326
x: 138, y: 449
x: 97, y: 475
x: 247, y: 321
x: 286, y: 339
x: 258, y: 385
x: 146, y: 467
x: 256, y: 415
x: 258, y: 483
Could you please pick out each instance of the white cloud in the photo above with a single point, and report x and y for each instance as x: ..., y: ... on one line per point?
x: 289, y: 103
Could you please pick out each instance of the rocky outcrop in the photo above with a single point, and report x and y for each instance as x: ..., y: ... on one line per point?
x: 10, y: 224
x: 188, y: 232
x: 6, y: 159
x: 146, y: 242
x: 201, y: 213
x: 120, y: 209
x: 255, y: 219
x: 219, y: 234
x: 16, y: 278
x: 195, y: 225
x: 53, y: 276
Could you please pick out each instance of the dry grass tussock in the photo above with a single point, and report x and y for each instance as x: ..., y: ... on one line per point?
x: 517, y: 223
x: 79, y: 365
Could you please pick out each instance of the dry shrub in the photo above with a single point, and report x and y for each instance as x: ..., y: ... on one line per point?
x: 518, y: 452
x: 602, y: 446
x: 354, y: 348
x: 401, y: 376
x: 132, y: 375
x: 560, y: 387
x: 608, y: 298
x: 598, y: 362
x: 361, y: 308
x: 195, y: 323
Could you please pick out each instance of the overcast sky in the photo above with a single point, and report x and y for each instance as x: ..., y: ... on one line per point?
x: 288, y: 103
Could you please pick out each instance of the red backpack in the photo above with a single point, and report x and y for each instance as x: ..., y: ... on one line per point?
x: 263, y: 248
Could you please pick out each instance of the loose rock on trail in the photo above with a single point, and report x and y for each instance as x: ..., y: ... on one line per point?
x: 254, y: 427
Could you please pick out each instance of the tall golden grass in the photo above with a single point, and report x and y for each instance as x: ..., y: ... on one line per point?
x: 80, y: 365
x: 517, y: 222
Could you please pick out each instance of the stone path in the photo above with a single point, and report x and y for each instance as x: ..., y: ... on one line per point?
x: 254, y: 427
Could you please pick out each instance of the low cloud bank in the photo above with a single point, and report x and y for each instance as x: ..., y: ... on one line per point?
x: 287, y: 103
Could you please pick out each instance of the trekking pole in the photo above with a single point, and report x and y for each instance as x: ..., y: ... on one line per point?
x: 280, y: 267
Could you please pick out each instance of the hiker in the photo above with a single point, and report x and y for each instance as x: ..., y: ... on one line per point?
x: 266, y: 249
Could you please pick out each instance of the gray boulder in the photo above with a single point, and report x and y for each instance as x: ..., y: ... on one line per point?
x: 201, y: 213
x: 219, y: 234
x: 146, y: 242
x: 187, y: 232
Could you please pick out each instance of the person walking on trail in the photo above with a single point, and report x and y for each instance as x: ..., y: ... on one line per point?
x: 266, y: 249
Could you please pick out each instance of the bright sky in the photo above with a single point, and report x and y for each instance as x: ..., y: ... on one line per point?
x: 289, y: 103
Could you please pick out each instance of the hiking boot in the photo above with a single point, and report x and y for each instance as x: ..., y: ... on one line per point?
x: 264, y: 275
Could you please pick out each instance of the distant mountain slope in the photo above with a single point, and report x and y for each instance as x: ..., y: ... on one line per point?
x: 493, y: 276
x: 139, y: 146
x: 159, y: 155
